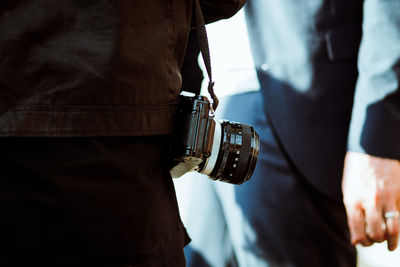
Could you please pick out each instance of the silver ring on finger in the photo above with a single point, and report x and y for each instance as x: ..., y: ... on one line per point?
x: 395, y: 214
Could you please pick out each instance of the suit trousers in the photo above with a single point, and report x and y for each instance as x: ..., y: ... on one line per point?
x: 275, y: 219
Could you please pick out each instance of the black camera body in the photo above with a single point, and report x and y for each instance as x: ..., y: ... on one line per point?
x: 225, y: 151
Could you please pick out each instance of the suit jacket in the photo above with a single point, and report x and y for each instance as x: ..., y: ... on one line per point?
x: 330, y: 73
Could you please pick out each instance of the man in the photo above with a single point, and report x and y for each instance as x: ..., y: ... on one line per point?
x: 313, y: 60
x: 88, y: 95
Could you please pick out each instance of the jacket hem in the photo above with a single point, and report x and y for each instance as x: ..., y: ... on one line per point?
x: 81, y: 121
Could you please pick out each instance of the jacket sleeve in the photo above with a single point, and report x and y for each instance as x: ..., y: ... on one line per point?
x: 214, y: 10
x: 375, y: 123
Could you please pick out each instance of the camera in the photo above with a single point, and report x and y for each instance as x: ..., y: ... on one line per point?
x: 225, y: 151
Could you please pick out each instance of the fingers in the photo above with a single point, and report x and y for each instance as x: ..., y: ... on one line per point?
x: 356, y: 222
x: 370, y: 226
x: 371, y: 194
x: 375, y: 225
x: 392, y: 227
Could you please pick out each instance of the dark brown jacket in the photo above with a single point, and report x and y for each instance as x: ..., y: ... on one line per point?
x: 94, y: 68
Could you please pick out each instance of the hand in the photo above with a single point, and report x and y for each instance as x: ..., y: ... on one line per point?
x: 371, y: 188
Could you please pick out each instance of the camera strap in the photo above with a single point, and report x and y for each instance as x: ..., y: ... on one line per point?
x: 205, y: 51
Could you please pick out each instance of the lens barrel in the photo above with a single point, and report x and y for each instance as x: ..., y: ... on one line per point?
x: 237, y: 156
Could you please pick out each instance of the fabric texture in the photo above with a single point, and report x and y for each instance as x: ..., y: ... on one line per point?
x: 88, y: 95
x: 100, y: 68
x: 88, y: 200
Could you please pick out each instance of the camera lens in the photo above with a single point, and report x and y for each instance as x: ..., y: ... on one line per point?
x: 234, y: 154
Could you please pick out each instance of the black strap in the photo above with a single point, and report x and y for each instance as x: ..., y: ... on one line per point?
x: 205, y: 50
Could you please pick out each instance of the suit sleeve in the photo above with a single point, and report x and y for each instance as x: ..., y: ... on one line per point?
x: 375, y: 123
x: 214, y: 10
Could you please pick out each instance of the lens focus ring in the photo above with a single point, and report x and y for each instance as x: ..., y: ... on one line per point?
x: 245, y: 153
x: 238, y: 153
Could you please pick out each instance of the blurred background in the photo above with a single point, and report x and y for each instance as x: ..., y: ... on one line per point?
x: 233, y: 71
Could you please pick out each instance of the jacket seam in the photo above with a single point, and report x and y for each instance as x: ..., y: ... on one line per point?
x: 59, y: 108
x: 170, y: 44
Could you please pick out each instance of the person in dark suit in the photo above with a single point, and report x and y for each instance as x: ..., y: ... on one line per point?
x: 329, y: 74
